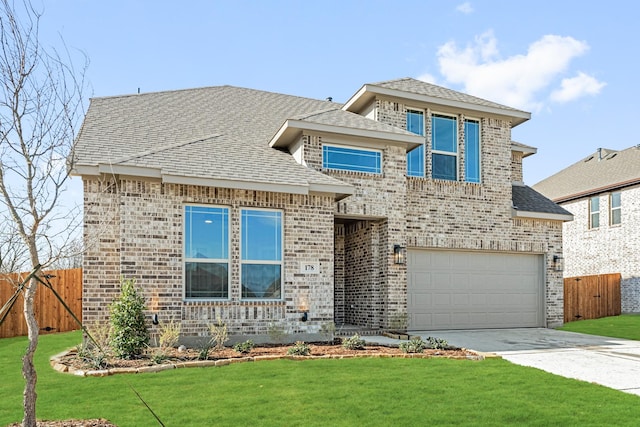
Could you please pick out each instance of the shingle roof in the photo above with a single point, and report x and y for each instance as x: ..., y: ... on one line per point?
x: 615, y: 169
x: 341, y: 118
x: 216, y: 132
x: 526, y: 199
x: 423, y: 91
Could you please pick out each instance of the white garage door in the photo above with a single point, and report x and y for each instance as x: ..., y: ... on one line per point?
x: 474, y: 290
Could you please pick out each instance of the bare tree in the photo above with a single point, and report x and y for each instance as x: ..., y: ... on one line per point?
x: 41, y: 103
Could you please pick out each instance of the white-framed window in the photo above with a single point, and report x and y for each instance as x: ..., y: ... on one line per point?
x: 444, y: 147
x: 615, y: 208
x: 206, y: 252
x: 594, y: 212
x: 415, y: 157
x: 351, y: 159
x: 472, y: 172
x: 261, y: 253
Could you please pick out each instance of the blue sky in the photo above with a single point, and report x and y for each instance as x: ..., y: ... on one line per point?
x: 572, y: 64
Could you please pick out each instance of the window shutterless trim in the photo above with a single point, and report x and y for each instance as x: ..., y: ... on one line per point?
x: 328, y: 149
x: 443, y: 152
x: 186, y: 259
x: 594, y: 213
x: 279, y: 262
x: 613, y: 208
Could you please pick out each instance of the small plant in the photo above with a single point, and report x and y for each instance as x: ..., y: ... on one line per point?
x: 276, y: 333
x: 244, y: 347
x: 328, y: 331
x: 91, y: 356
x: 300, y: 348
x: 437, y: 343
x: 203, y: 354
x: 414, y: 345
x: 354, y: 343
x: 219, y: 334
x: 169, y: 334
x: 158, y: 357
x: 129, y: 335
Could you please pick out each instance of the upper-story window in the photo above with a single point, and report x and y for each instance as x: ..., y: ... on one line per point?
x: 594, y: 212
x: 206, y: 252
x: 615, y: 209
x: 472, y: 150
x: 351, y: 159
x: 261, y: 253
x: 415, y: 157
x: 444, y: 142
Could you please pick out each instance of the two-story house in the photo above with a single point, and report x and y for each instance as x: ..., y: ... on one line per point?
x: 602, y: 191
x: 404, y: 206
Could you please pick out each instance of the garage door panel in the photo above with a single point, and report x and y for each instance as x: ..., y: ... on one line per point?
x: 454, y: 290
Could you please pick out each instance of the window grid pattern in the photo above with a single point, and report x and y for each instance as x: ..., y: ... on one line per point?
x: 206, y: 252
x: 444, y: 140
x: 594, y: 212
x: 615, y: 211
x: 415, y: 157
x: 351, y: 159
x: 261, y: 254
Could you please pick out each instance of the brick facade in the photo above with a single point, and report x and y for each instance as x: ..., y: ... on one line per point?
x: 608, y: 248
x: 135, y: 229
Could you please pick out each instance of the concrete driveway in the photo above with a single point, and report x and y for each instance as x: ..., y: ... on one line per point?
x: 612, y: 362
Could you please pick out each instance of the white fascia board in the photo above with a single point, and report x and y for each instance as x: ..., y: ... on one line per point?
x: 411, y: 141
x: 541, y: 215
x: 345, y: 189
x: 527, y: 151
x: 237, y: 184
x: 518, y: 116
x: 82, y: 170
x: 140, y: 171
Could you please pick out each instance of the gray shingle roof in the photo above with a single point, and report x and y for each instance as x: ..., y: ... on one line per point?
x: 216, y: 132
x: 526, y: 199
x: 615, y: 169
x: 341, y: 118
x: 409, y: 84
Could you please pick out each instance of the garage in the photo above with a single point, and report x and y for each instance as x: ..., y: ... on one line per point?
x: 474, y: 290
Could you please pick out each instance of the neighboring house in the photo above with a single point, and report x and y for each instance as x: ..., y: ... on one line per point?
x: 403, y: 207
x: 602, y: 191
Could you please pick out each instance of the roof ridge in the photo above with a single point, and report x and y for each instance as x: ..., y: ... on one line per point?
x: 162, y: 148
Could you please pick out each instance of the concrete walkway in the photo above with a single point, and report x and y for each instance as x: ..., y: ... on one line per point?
x: 612, y: 362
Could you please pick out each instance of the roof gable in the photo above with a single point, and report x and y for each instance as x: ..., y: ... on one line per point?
x: 419, y: 91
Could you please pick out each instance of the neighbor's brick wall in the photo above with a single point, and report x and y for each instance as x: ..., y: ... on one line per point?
x: 140, y: 236
x: 609, y: 248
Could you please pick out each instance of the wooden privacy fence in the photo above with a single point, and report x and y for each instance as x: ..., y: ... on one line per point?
x: 591, y: 297
x: 51, y: 314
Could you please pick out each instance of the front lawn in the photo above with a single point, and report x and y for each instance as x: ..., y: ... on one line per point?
x: 316, y: 393
x: 624, y: 326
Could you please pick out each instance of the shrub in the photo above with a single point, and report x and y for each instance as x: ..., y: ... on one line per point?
x: 354, y: 343
x: 219, y: 334
x: 437, y: 343
x: 328, y: 331
x: 300, y: 348
x: 129, y: 335
x: 203, y: 354
x: 244, y: 347
x: 414, y: 345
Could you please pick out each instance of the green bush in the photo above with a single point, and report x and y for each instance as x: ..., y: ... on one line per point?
x: 300, y: 348
x: 244, y: 347
x: 414, y: 345
x: 437, y: 343
x: 354, y: 343
x: 129, y: 333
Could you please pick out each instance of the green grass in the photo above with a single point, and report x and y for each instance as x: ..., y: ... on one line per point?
x: 374, y: 392
x: 623, y: 326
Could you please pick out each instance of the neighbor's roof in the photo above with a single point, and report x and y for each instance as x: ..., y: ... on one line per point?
x: 594, y: 174
x: 207, y: 136
x: 529, y: 203
x: 419, y: 91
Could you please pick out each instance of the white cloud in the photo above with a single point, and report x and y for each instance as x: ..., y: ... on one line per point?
x: 428, y: 77
x: 516, y: 81
x: 465, y: 8
x: 576, y: 87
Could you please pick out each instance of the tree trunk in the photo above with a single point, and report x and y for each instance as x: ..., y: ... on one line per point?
x: 28, y: 368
